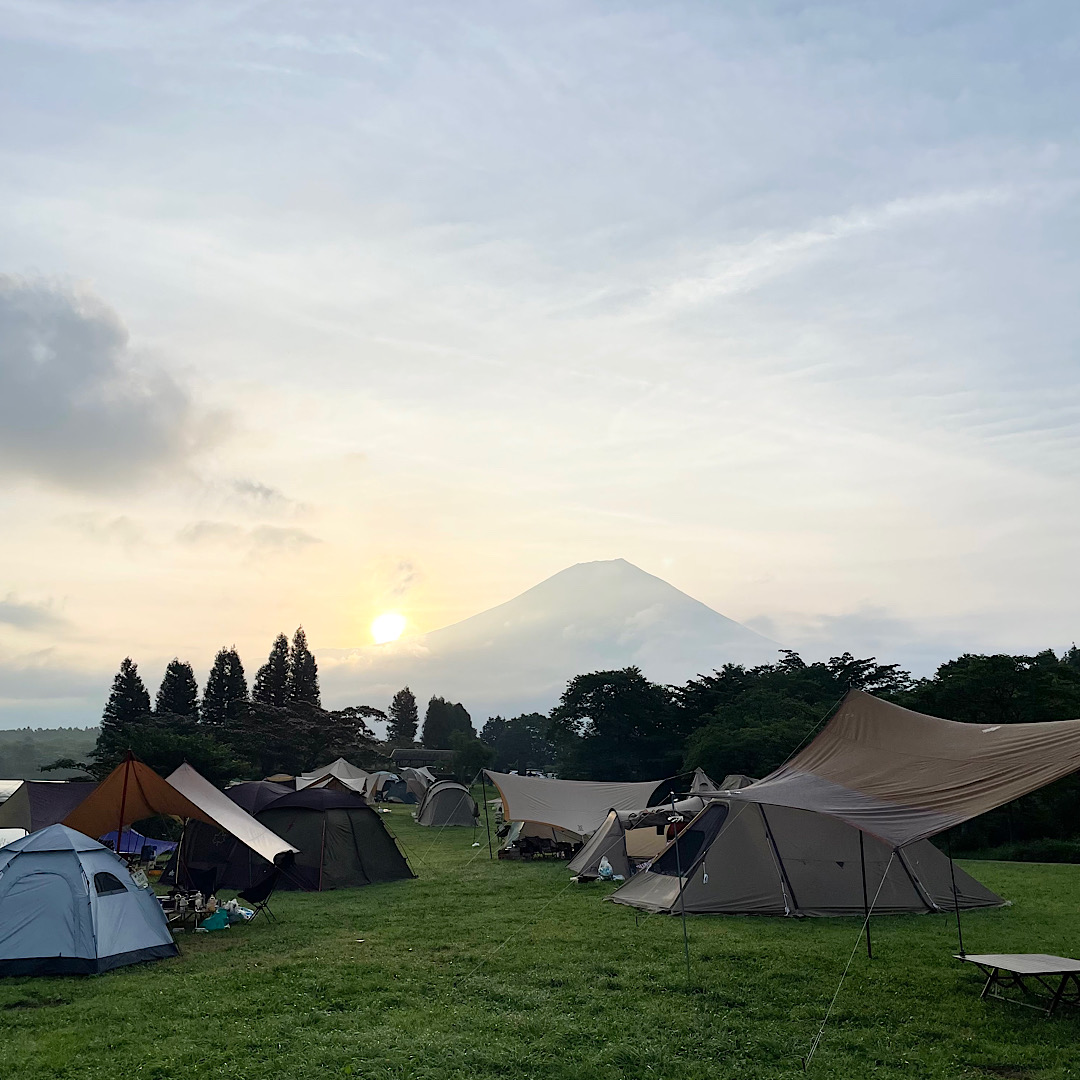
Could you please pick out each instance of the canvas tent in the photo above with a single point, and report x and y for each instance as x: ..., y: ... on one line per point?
x: 68, y: 906
x: 627, y: 836
x: 417, y: 781
x: 447, y: 803
x: 351, y: 776
x: 384, y: 786
x: 745, y: 859
x: 34, y: 804
x: 578, y: 807
x: 343, y: 842
x: 902, y: 776
x: 133, y: 792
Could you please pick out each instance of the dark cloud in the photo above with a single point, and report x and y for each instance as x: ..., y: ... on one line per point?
x: 32, y: 617
x: 75, y: 409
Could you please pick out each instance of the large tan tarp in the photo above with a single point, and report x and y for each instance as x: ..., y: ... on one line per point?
x: 133, y: 791
x: 903, y: 776
x: 578, y: 806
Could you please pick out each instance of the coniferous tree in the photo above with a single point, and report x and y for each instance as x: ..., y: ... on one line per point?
x: 179, y: 692
x: 404, y: 718
x: 225, y: 683
x: 128, y: 705
x: 442, y: 719
x: 272, y: 679
x: 303, y: 682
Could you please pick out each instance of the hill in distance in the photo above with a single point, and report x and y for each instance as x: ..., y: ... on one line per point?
x: 517, y: 657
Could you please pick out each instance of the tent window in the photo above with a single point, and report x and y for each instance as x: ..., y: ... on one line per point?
x: 106, y: 884
x: 692, y: 841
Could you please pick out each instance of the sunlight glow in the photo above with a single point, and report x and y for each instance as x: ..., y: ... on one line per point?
x: 387, y: 627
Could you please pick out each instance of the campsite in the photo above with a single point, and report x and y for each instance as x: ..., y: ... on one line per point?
x: 483, y: 968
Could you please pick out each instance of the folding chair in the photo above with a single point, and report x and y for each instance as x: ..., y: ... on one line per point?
x: 258, y: 895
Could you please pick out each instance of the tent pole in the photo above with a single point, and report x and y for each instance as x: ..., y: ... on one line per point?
x: 322, y: 852
x: 955, y: 898
x: 865, y: 901
x: 682, y: 900
x: 123, y: 802
x: 487, y: 822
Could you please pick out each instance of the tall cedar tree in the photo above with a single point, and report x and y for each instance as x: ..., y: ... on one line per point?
x: 442, y: 719
x: 404, y: 718
x: 303, y: 672
x: 178, y: 694
x: 225, y: 683
x: 128, y: 705
x: 272, y: 679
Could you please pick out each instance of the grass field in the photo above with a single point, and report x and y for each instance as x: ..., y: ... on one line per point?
x: 483, y: 969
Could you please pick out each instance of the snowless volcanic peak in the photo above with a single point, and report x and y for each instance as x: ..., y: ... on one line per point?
x: 518, y: 656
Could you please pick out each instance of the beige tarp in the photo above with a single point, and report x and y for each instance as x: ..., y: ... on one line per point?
x: 578, y: 806
x: 904, y: 776
x: 227, y: 815
x: 339, y: 770
x: 133, y: 791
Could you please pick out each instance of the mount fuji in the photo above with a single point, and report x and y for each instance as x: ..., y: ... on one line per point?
x: 518, y: 656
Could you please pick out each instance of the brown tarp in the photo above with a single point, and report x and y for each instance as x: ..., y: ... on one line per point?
x: 133, y: 791
x: 903, y: 776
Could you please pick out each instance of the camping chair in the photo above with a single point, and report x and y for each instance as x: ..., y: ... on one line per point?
x: 258, y: 895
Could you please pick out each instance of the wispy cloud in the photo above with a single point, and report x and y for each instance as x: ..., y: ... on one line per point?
x: 35, y: 618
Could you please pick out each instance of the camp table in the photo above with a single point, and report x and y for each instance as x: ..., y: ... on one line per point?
x: 1011, y: 969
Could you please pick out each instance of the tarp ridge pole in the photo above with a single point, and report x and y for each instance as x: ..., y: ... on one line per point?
x: 955, y: 897
x: 123, y: 802
x: 865, y: 902
x: 487, y: 821
x: 675, y: 819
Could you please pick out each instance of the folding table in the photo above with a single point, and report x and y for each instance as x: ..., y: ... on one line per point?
x: 1058, y: 975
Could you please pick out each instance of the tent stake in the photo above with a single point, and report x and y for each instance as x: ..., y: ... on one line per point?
x: 955, y: 898
x: 682, y: 901
x: 487, y: 822
x: 865, y: 901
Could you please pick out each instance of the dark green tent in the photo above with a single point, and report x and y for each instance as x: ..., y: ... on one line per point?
x: 342, y: 842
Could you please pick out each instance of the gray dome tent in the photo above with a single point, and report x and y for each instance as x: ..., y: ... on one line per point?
x: 447, y: 803
x: 745, y: 859
x: 68, y: 906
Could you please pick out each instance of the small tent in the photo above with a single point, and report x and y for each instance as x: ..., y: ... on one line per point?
x: 349, y: 775
x: 447, y: 803
x: 746, y: 859
x: 68, y: 906
x: 34, y: 804
x: 628, y: 837
x: 343, y: 842
x: 417, y: 781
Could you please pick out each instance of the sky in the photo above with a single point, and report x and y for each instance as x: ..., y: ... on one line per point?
x: 313, y: 312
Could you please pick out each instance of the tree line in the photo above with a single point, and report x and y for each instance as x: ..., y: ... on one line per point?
x: 280, y: 726
x: 607, y: 725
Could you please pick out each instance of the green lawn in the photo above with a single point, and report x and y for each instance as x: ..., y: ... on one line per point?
x: 485, y: 969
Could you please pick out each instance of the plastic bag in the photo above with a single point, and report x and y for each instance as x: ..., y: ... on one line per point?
x: 604, y: 871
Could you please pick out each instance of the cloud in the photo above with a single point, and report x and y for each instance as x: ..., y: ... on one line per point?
x: 404, y: 577
x: 75, y: 408
x: 35, y: 618
x: 108, y: 530
x: 261, y: 538
x: 262, y: 497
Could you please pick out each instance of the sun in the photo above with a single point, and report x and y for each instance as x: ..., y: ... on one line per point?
x: 387, y: 627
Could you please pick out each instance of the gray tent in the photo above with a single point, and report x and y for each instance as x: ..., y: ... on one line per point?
x: 34, y: 804
x: 447, y: 803
x: 68, y: 906
x: 747, y: 859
